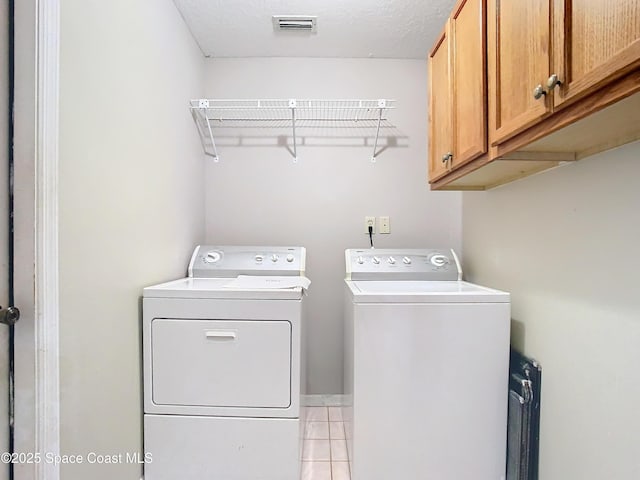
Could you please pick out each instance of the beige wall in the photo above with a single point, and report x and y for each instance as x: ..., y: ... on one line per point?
x: 257, y: 195
x: 565, y: 243
x: 131, y: 207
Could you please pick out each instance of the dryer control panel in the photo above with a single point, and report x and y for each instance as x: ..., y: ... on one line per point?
x: 211, y: 261
x: 402, y: 264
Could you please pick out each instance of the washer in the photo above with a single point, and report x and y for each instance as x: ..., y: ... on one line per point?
x: 426, y: 368
x: 221, y: 359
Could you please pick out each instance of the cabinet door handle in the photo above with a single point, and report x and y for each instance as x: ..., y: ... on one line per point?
x: 553, y: 82
x: 446, y: 159
x: 220, y: 335
x: 539, y: 92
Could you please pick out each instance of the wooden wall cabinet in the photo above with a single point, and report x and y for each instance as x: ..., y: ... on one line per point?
x: 458, y: 90
x: 518, y: 59
x: 545, y: 54
x: 440, y: 106
x: 595, y: 42
x: 563, y: 83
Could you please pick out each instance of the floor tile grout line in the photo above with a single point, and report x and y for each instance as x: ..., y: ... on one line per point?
x: 330, y: 453
x: 330, y: 449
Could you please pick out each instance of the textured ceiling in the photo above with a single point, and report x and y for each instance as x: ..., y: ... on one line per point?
x: 348, y: 28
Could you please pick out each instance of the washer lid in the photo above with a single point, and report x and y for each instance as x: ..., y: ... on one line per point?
x: 366, y: 291
x: 220, y: 288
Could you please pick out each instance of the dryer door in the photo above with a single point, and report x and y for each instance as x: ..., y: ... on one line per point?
x: 221, y: 363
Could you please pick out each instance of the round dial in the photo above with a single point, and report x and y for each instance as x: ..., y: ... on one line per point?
x: 274, y: 258
x: 391, y: 260
x: 212, y: 257
x: 439, y: 260
x: 406, y: 261
x: 376, y: 260
x: 259, y: 258
x: 289, y: 258
x: 360, y: 260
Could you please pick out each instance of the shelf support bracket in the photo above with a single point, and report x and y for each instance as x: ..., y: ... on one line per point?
x: 213, y: 142
x: 203, y: 104
x: 292, y: 106
x: 382, y: 104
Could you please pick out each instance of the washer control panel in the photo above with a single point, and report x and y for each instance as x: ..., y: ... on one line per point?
x: 211, y: 261
x: 402, y: 264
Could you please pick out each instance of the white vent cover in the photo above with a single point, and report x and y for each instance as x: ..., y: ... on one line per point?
x: 299, y: 23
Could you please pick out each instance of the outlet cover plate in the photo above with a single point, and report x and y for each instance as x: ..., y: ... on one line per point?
x: 369, y: 221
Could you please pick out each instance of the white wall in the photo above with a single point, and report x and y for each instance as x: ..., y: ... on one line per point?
x: 131, y: 207
x: 257, y: 195
x: 565, y: 243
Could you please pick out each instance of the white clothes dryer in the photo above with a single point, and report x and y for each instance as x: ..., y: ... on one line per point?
x: 222, y: 367
x: 426, y: 368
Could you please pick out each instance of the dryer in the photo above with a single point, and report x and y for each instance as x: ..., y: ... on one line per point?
x: 222, y: 367
x: 426, y: 368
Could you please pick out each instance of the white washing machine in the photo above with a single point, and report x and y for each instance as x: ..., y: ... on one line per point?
x: 222, y: 367
x: 426, y: 368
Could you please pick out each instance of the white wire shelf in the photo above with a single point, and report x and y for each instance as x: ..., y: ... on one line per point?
x: 211, y: 115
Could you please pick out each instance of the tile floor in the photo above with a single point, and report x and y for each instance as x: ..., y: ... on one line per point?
x: 324, y: 452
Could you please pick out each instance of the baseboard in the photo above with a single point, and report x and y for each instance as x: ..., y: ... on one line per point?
x: 325, y: 400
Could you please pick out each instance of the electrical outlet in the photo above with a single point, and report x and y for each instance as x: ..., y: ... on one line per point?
x: 369, y: 222
x: 385, y: 226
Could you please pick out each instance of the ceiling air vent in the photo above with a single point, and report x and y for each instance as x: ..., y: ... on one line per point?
x: 297, y: 23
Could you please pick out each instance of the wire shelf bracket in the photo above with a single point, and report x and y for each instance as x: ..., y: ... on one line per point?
x: 210, y: 114
x: 382, y: 104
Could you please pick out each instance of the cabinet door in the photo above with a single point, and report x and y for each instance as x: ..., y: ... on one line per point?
x: 468, y: 32
x: 519, y: 43
x: 440, y: 106
x: 595, y: 42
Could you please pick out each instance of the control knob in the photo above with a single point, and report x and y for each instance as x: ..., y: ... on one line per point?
x: 391, y: 260
x: 376, y: 260
x: 439, y: 260
x: 289, y: 258
x: 259, y: 258
x: 406, y: 261
x: 274, y: 258
x: 360, y: 260
x: 212, y: 257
